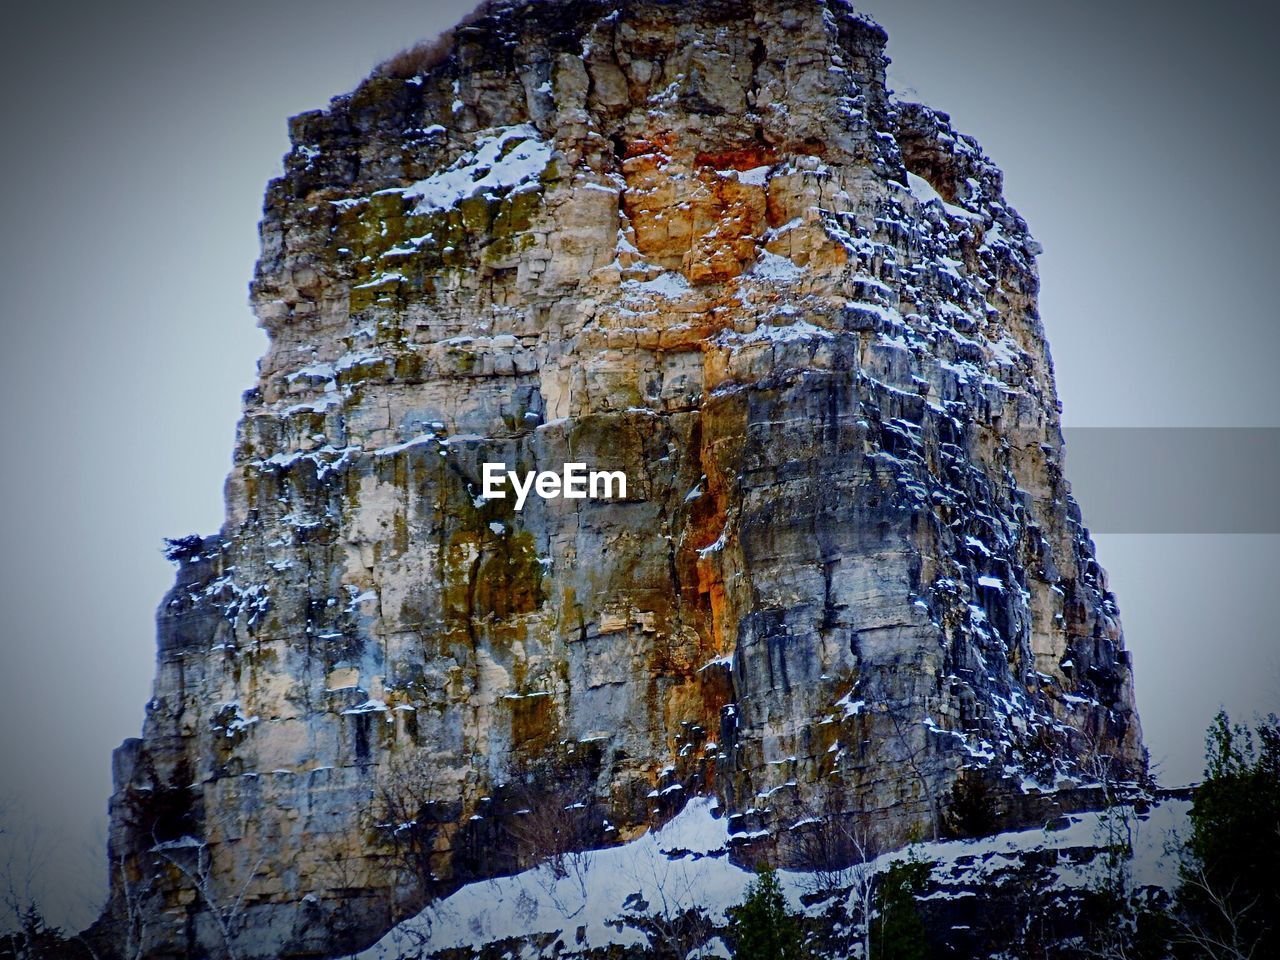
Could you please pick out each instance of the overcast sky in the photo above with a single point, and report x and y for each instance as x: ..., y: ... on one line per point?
x: 1138, y: 139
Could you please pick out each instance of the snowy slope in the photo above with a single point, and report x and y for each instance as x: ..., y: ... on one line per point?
x: 685, y: 865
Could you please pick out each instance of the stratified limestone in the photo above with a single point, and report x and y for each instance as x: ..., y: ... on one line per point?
x: 696, y: 242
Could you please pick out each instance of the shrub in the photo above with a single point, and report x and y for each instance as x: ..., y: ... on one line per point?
x: 181, y: 549
x: 410, y: 812
x: 426, y: 55
x: 416, y: 60
x: 558, y: 816
x: 971, y: 811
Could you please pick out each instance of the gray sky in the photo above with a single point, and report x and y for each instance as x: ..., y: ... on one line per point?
x: 1136, y: 138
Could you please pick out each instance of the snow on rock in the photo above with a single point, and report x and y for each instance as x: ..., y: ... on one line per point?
x: 770, y: 266
x: 778, y: 333
x: 923, y: 191
x: 669, y: 285
x: 513, y: 157
x: 874, y: 389
x: 685, y: 858
x: 685, y: 865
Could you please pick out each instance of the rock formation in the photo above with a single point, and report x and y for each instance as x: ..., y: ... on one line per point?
x: 698, y: 243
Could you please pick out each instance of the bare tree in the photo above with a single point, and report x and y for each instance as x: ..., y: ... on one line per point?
x: 24, y: 928
x: 1117, y: 824
x: 1226, y: 940
x: 826, y: 841
x: 412, y: 802
x: 22, y: 923
x: 552, y: 819
x: 192, y: 858
x: 911, y: 751
x: 668, y: 903
x: 836, y: 850
x: 557, y: 818
x: 134, y: 893
x: 338, y: 873
x: 17, y: 878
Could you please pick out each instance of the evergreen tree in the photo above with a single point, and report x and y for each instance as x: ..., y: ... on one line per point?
x: 898, y: 933
x: 762, y: 927
x: 1230, y: 891
x: 34, y: 939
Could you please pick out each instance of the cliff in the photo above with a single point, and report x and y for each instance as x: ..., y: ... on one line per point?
x: 699, y: 244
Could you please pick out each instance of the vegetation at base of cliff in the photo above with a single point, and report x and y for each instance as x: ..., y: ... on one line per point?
x: 1227, y: 904
x: 1230, y: 891
x: 546, y: 813
x: 898, y: 931
x: 762, y: 927
x: 36, y: 940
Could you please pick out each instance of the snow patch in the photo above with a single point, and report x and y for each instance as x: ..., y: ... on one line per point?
x: 512, y: 158
x: 924, y: 192
x: 768, y: 333
x: 771, y: 266
x: 669, y: 285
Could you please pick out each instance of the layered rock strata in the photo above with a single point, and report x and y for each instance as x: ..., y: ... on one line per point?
x: 698, y: 243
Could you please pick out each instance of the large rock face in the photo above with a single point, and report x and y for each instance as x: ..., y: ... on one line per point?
x: 695, y: 242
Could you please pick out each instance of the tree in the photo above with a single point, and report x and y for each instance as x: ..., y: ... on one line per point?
x: 558, y: 817
x: 972, y: 808
x: 24, y: 932
x: 836, y: 852
x: 34, y: 939
x: 762, y: 927
x: 192, y: 857
x: 898, y: 933
x: 669, y: 903
x: 136, y: 888
x: 1229, y: 898
x: 1112, y: 902
x: 912, y: 748
x: 411, y: 810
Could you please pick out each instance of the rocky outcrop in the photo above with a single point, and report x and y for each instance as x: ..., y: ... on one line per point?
x: 696, y: 243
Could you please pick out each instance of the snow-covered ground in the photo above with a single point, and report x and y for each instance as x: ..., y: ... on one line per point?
x: 684, y: 865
